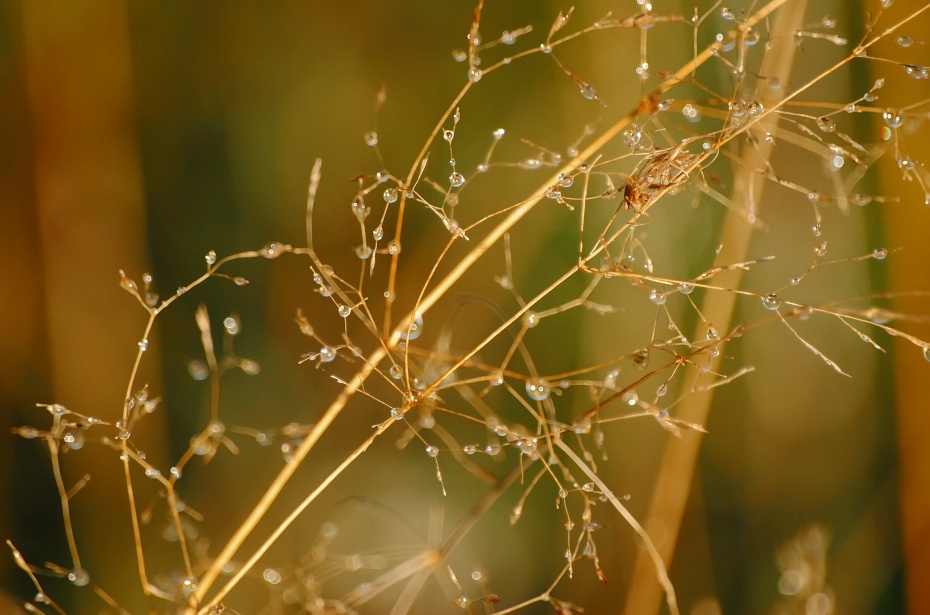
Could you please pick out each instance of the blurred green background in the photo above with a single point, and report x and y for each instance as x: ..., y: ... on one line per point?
x: 138, y: 136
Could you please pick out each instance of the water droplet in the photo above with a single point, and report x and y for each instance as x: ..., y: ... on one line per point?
x: 611, y: 380
x: 448, y: 135
x: 397, y: 414
x: 432, y: 451
x: 893, y: 117
x: 553, y: 193
x: 657, y: 297
x: 498, y: 133
x: 58, y: 410
x: 396, y: 371
x: 904, y: 41
x: 79, y: 577
x: 414, y: 329
x: 175, y: 471
x: 459, y: 55
x: 661, y: 390
x: 474, y: 74
x: 390, y: 195
x: 690, y: 112
x: 515, y: 514
x: 231, y: 324
x: 826, y: 124
x: 727, y: 14
x: 393, y: 247
x: 470, y: 449
x: 482, y: 168
x: 188, y: 586
x: 371, y: 138
x: 152, y: 473
x: 74, y: 440
x: 566, y: 181
x: 589, y: 92
x: 530, y: 319
x: 537, y: 389
x: 860, y: 199
x: 771, y: 301
x: 344, y: 311
x: 545, y: 48
x: 274, y: 250
x: 916, y: 72
x: 756, y: 109
x: 143, y: 345
x: 632, y: 135
x: 497, y: 379
x: 630, y: 398
x: 210, y: 257
x: 492, y: 449
x: 456, y: 179
x: 327, y: 354
x: 794, y: 281
x: 879, y: 253
x: 686, y: 288
x: 664, y: 105
x: 531, y: 163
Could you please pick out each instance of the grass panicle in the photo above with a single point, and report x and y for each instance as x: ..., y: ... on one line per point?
x: 448, y: 330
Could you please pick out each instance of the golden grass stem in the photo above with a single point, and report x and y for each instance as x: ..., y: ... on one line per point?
x: 673, y: 485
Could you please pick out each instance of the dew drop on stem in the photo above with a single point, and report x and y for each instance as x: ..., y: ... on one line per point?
x: 589, y: 91
x: 78, y: 576
x: 826, y: 124
x: 771, y: 301
x: 327, y: 354
x: 371, y: 138
x: 537, y: 389
x: 894, y: 118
